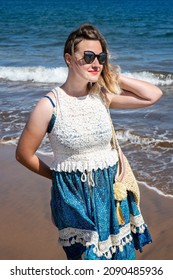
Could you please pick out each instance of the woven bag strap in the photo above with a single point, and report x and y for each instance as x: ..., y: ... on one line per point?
x: 121, y: 167
x: 115, y: 144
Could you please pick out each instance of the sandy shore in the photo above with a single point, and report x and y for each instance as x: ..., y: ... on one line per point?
x: 27, y: 231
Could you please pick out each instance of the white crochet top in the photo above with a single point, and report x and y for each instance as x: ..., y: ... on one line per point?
x: 82, y: 133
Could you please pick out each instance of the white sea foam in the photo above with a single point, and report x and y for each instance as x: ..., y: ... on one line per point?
x: 128, y: 136
x: 9, y: 142
x: 156, y: 79
x: 34, y: 74
x: 155, y: 189
x: 58, y: 75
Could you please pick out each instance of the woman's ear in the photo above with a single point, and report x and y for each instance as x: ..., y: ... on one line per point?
x: 68, y: 59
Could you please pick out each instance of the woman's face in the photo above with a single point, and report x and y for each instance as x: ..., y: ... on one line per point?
x: 84, y: 70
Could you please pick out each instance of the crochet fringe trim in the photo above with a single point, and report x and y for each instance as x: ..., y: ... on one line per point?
x: 107, y: 248
x: 99, y: 160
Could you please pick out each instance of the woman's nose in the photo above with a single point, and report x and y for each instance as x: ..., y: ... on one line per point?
x: 96, y: 62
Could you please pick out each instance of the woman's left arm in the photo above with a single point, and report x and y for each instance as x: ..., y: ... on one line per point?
x: 135, y: 94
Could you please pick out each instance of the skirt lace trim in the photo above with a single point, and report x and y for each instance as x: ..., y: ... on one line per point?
x: 70, y: 236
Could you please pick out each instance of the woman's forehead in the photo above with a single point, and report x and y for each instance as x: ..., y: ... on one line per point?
x: 89, y: 45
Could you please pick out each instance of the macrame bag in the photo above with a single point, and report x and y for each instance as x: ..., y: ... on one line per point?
x: 124, y: 180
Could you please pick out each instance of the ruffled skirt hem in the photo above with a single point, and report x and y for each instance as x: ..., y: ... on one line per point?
x: 115, y: 247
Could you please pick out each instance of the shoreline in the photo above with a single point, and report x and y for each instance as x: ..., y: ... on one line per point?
x: 27, y: 231
x: 160, y: 193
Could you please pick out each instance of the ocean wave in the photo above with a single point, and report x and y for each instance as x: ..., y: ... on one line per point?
x: 155, y: 189
x: 11, y: 141
x: 33, y: 74
x: 156, y: 78
x: 59, y: 74
x: 131, y: 137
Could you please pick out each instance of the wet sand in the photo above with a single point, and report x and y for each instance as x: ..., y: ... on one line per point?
x: 27, y: 231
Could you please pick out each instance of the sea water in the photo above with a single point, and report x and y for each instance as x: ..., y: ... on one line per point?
x: 140, y: 39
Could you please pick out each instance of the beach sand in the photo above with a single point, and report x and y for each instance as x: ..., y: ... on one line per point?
x: 27, y: 231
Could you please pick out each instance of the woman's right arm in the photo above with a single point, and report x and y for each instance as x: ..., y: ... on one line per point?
x: 32, y: 137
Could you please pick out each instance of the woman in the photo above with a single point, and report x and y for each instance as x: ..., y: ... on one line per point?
x: 83, y: 172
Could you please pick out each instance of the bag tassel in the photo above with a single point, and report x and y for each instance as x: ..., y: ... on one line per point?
x: 119, y: 214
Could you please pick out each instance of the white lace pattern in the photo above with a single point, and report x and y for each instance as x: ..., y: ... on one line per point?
x: 81, y: 135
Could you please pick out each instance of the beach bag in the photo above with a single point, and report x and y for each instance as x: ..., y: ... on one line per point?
x: 124, y: 179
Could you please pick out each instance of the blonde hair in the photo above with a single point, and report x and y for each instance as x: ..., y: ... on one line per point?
x: 109, y: 75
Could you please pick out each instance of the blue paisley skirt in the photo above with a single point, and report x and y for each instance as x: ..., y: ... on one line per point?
x: 86, y: 218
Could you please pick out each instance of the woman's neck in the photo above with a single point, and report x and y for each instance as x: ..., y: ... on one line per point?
x: 76, y: 89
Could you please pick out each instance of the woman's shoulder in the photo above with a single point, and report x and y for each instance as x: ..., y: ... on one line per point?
x: 51, y: 96
x: 46, y: 105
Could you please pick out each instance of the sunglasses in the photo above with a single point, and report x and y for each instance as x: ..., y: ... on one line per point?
x: 90, y: 56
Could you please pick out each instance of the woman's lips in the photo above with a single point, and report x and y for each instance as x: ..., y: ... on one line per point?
x: 94, y: 72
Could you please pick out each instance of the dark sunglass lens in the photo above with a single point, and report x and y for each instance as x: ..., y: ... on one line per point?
x: 102, y: 58
x: 89, y: 57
